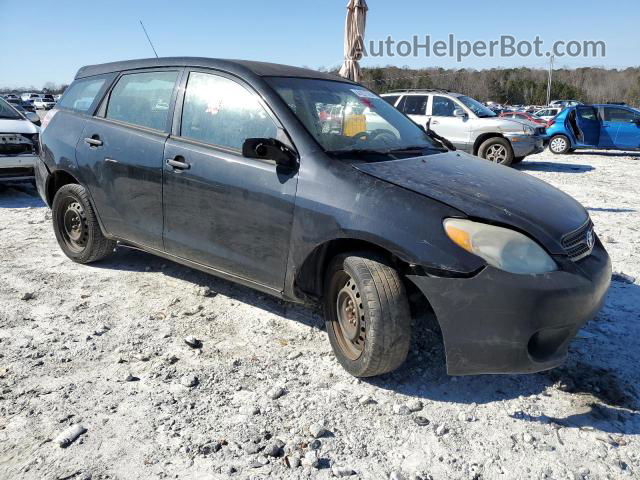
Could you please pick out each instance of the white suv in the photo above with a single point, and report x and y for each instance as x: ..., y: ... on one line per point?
x: 469, y: 125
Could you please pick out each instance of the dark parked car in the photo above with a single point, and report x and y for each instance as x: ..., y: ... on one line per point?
x: 225, y: 166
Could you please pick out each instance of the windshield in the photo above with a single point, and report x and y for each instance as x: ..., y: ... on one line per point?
x: 7, y: 112
x: 476, y: 107
x: 347, y: 119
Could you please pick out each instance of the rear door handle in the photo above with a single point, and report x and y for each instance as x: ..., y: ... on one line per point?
x: 435, y: 122
x: 93, y: 141
x: 178, y: 163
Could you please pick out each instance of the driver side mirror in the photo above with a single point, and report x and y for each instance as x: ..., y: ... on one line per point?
x: 636, y: 121
x: 460, y: 113
x: 270, y: 149
x: 33, y: 118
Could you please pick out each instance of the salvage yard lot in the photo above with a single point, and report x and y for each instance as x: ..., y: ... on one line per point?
x: 103, y: 346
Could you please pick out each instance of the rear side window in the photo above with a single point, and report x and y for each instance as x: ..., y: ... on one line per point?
x: 415, y: 105
x: 392, y: 99
x: 222, y: 112
x: 81, y: 94
x: 142, y: 99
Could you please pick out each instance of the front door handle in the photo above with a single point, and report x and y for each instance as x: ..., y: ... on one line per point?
x: 178, y: 163
x: 93, y: 141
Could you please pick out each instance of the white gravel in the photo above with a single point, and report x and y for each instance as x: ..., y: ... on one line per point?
x: 105, y: 347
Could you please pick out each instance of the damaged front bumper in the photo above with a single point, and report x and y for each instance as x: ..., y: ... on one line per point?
x: 498, y: 322
x: 524, y: 145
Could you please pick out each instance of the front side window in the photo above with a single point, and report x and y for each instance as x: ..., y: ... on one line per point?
x: 476, y: 107
x: 142, y: 99
x: 619, y: 115
x: 221, y: 112
x: 81, y: 94
x: 348, y: 120
x: 443, y: 107
x: 415, y: 105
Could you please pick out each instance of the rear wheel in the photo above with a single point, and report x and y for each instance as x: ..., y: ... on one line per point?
x: 76, y: 226
x: 497, y: 150
x: 367, y: 314
x: 559, y: 144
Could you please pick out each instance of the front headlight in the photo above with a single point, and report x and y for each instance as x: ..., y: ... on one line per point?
x: 500, y: 247
x: 528, y: 130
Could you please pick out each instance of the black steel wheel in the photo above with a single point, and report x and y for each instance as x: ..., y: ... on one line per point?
x: 367, y: 314
x: 76, y: 226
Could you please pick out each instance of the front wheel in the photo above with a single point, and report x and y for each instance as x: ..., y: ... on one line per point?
x: 76, y: 226
x: 559, y: 144
x: 497, y: 150
x: 366, y: 314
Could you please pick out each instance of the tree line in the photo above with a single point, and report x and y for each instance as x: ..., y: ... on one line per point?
x: 514, y: 86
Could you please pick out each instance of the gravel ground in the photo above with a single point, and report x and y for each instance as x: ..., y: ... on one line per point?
x: 176, y: 374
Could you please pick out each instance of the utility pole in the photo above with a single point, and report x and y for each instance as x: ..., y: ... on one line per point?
x: 549, y: 81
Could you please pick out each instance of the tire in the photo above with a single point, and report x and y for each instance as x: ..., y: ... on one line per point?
x: 497, y: 150
x: 517, y: 160
x: 377, y: 335
x: 559, y: 144
x: 76, y: 226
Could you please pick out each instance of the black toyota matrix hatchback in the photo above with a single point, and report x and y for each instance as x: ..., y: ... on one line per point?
x: 312, y: 188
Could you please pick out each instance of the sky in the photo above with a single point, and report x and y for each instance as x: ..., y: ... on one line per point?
x: 42, y: 41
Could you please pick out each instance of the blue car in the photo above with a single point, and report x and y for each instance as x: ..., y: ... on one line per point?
x: 607, y: 127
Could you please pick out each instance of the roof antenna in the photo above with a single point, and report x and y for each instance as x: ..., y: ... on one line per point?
x: 147, y: 35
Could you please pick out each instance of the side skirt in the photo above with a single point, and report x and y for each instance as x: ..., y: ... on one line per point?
x: 205, y: 268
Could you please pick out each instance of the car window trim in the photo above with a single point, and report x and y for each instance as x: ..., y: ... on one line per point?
x: 179, y: 106
x: 101, y: 112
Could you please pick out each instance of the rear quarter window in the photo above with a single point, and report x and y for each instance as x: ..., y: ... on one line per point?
x: 81, y: 94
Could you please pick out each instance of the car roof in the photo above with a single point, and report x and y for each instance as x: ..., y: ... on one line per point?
x: 261, y: 69
x: 421, y: 91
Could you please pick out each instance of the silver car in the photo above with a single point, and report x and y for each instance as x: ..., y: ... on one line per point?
x: 469, y: 125
x: 18, y: 144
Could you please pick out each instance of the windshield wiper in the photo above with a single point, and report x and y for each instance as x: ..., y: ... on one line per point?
x: 358, y: 151
x: 414, y: 149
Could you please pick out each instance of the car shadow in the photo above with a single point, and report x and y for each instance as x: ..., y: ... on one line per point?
x: 606, y: 153
x: 133, y: 260
x: 19, y: 195
x: 610, y: 403
x: 535, y: 166
x: 611, y: 210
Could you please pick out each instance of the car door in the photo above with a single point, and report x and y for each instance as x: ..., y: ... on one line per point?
x: 588, y: 124
x: 620, y: 128
x: 121, y: 154
x: 443, y: 121
x: 222, y: 210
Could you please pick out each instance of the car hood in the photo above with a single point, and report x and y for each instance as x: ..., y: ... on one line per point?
x: 17, y: 126
x: 486, y: 191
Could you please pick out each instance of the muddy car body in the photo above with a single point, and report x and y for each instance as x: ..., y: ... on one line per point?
x: 258, y: 192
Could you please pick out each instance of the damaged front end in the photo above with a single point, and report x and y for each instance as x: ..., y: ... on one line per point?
x: 18, y: 153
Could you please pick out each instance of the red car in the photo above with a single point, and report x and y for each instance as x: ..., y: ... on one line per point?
x: 524, y: 116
